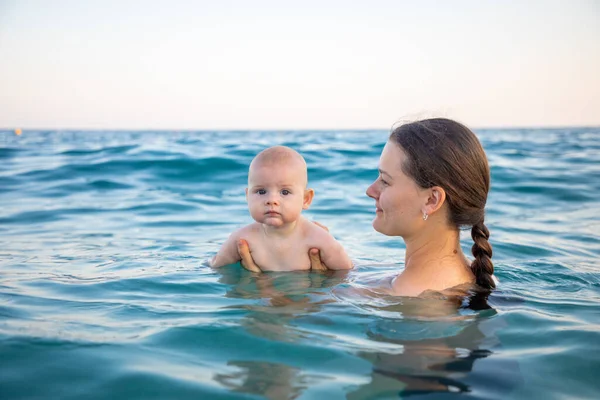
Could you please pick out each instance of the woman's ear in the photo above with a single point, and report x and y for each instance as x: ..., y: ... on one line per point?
x: 308, y: 198
x: 435, y: 200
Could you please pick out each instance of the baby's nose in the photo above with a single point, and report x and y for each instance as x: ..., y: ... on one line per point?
x: 273, y: 199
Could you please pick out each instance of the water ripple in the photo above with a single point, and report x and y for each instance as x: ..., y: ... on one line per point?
x: 105, y: 292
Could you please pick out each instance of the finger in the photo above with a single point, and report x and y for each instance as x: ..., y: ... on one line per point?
x: 247, y: 261
x: 315, y: 260
x: 320, y: 225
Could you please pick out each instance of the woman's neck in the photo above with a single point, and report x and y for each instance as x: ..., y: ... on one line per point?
x: 434, y: 261
x: 433, y: 249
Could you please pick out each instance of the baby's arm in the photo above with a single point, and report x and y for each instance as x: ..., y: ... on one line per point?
x: 228, y: 253
x: 332, y: 253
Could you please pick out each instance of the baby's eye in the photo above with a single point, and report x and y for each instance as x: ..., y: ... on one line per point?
x: 261, y: 191
x: 285, y: 192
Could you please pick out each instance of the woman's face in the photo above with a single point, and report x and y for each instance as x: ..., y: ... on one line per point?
x: 399, y: 201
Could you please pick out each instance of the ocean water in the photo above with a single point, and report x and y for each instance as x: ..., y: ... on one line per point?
x: 105, y: 292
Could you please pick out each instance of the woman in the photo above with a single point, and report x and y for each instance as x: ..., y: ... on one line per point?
x: 433, y: 181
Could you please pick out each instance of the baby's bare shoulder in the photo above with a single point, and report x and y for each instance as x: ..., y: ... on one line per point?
x: 246, y: 232
x: 315, y: 233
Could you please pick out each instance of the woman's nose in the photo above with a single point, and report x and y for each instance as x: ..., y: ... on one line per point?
x: 372, y: 191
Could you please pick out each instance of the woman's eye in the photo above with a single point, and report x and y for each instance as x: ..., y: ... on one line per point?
x: 385, y: 183
x: 261, y: 191
x: 285, y: 192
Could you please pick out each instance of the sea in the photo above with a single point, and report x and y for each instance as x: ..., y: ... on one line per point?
x: 105, y: 290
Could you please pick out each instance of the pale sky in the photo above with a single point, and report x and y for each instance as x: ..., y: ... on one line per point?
x: 262, y: 64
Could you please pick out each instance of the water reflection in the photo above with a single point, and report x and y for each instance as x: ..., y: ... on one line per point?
x: 278, y: 301
x: 274, y: 381
x: 440, y: 354
x: 424, y: 366
x: 432, y: 346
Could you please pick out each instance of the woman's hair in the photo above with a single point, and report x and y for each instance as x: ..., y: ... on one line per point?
x: 441, y: 152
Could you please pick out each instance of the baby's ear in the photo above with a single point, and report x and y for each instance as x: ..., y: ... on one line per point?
x: 246, y: 194
x: 308, y: 198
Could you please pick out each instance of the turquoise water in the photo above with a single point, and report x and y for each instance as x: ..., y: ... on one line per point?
x: 105, y: 294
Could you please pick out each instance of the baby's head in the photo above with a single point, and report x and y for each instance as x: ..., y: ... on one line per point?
x: 277, y: 191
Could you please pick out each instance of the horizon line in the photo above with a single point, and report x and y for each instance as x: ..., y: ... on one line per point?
x: 509, y: 127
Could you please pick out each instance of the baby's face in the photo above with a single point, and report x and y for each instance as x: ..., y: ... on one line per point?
x: 276, y: 193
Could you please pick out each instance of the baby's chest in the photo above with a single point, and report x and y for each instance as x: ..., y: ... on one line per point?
x: 275, y: 256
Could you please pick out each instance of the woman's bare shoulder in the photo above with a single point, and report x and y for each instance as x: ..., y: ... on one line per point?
x: 423, y: 285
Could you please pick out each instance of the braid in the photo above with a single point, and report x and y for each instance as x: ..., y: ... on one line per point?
x: 482, y: 266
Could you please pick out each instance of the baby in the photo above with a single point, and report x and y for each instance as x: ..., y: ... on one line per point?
x: 281, y: 237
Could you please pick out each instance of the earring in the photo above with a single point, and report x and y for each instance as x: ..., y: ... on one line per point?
x: 425, y: 216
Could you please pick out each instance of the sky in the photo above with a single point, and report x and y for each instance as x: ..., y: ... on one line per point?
x: 279, y: 64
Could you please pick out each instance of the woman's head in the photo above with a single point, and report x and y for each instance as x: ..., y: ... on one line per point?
x: 446, y: 154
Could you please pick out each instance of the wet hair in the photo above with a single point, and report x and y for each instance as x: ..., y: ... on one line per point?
x: 445, y: 153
